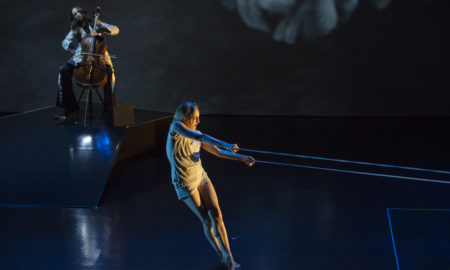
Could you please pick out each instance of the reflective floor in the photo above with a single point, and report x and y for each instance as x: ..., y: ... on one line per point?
x: 56, y: 166
x: 277, y: 217
x: 47, y: 163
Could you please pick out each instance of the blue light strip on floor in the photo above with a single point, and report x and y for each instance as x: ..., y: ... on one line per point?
x: 393, y: 241
x: 356, y: 172
x: 392, y: 231
x: 414, y: 209
x: 343, y: 161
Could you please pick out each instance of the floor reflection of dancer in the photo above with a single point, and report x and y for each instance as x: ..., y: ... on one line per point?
x: 191, y: 182
x: 80, y: 28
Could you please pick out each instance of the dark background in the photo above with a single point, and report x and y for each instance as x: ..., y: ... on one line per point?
x: 393, y: 62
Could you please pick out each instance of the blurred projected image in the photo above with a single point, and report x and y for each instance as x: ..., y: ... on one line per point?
x: 291, y: 20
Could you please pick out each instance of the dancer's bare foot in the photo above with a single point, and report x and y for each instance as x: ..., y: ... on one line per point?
x: 230, y: 263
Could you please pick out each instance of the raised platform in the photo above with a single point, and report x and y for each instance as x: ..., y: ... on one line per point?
x: 49, y: 164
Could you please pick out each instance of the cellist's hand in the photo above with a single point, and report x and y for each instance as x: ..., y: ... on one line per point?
x: 78, y: 58
x: 90, y: 59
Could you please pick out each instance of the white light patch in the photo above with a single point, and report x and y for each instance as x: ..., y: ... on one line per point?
x: 86, y: 143
x: 87, y: 140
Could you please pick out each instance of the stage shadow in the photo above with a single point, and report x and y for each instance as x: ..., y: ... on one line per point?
x: 217, y: 267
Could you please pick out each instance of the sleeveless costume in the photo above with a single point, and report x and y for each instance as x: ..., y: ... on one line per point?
x: 186, y: 166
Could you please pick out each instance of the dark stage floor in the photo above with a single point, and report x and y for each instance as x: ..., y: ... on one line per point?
x: 48, y: 163
x: 277, y: 217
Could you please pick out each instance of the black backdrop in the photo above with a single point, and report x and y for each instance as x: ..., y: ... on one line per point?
x: 391, y: 62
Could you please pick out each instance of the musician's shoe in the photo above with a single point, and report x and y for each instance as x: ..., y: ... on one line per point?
x: 70, y: 119
x: 60, y: 117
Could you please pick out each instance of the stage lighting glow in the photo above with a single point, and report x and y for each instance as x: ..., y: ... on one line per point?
x: 86, y: 140
x: 100, y: 142
x: 103, y: 142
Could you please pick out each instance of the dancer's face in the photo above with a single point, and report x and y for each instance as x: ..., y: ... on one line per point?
x: 193, y: 121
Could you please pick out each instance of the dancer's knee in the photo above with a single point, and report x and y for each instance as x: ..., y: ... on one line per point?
x: 206, y: 220
x: 216, y: 214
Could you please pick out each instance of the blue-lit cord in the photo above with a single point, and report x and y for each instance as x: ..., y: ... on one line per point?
x: 392, y: 237
x: 356, y: 172
x: 344, y: 161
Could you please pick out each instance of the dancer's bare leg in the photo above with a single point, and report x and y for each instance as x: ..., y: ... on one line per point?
x: 209, y: 196
x: 197, y: 206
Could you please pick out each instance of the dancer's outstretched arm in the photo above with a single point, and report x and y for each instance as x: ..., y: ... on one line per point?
x: 180, y: 128
x: 228, y: 155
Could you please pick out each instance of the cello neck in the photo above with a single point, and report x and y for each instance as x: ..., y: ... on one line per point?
x: 97, y: 14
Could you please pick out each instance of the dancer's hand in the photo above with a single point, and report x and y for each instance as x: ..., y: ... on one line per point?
x: 235, y: 148
x: 248, y: 160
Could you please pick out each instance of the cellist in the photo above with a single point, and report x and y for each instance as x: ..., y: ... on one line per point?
x: 80, y: 28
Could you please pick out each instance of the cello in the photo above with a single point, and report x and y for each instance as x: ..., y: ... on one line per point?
x: 91, y: 72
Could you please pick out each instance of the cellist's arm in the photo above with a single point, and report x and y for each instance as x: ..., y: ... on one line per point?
x: 110, y: 29
x: 70, y: 43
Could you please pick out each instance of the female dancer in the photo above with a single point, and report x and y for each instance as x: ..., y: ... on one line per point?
x: 191, y: 182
